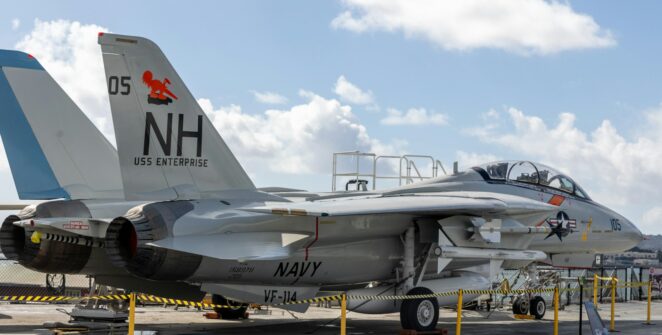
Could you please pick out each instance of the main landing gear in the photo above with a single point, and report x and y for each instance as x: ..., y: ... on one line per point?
x: 234, y: 311
x: 419, y: 314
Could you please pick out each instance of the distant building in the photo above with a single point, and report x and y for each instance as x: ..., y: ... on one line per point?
x: 632, y: 258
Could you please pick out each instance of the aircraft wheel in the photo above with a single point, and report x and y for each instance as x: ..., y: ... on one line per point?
x: 419, y: 314
x: 538, y: 307
x: 235, y: 311
x: 521, y: 306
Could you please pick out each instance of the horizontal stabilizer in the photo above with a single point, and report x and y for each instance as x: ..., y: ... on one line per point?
x: 267, y: 295
x: 236, y: 246
x: 12, y: 207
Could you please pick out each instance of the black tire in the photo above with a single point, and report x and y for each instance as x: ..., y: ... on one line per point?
x: 521, y: 306
x: 237, y: 311
x: 538, y: 307
x: 56, y: 283
x: 419, y: 314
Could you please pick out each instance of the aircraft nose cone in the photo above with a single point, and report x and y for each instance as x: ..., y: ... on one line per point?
x: 634, y: 235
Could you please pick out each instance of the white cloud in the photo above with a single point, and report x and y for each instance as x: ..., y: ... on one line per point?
x: 652, y: 220
x: 4, y: 163
x: 295, y: 140
x: 15, y: 24
x: 414, y: 117
x: 469, y: 159
x: 351, y: 93
x: 522, y: 26
x: 299, y: 139
x: 269, y: 98
x: 68, y: 50
x: 619, y: 172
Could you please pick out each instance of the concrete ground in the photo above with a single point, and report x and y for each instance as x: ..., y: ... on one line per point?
x: 28, y: 319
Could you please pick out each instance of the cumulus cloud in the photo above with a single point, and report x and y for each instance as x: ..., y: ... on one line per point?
x: 470, y: 159
x: 295, y: 140
x: 351, y: 93
x: 652, y: 220
x: 619, y: 172
x: 269, y: 98
x: 68, y: 50
x: 298, y: 139
x: 4, y: 163
x: 521, y: 26
x: 15, y: 24
x: 414, y: 117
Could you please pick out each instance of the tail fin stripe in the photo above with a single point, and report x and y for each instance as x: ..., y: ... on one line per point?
x: 33, y: 176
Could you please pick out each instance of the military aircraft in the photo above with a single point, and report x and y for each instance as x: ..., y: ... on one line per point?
x: 194, y: 220
x: 200, y: 206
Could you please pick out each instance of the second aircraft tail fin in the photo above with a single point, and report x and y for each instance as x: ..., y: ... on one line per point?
x: 54, y: 150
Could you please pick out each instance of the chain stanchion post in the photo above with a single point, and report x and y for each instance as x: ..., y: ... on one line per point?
x: 458, y: 322
x: 648, y: 308
x: 343, y: 314
x: 595, y: 290
x: 132, y: 313
x: 582, y: 281
x: 612, y: 323
x: 556, y: 310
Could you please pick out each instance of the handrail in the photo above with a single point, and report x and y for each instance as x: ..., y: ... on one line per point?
x: 404, y: 170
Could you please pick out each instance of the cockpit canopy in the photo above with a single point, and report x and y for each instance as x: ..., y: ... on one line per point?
x: 530, y: 173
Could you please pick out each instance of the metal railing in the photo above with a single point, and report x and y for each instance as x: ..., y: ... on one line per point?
x: 403, y: 169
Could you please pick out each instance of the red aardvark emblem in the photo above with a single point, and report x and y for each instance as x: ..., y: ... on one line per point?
x: 159, y: 93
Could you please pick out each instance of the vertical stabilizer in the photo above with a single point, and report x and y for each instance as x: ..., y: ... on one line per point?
x: 54, y: 150
x: 167, y: 146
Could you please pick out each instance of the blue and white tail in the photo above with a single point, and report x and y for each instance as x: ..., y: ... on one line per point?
x: 54, y: 150
x: 168, y: 148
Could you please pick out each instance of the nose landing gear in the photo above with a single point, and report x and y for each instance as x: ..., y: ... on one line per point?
x: 536, y: 306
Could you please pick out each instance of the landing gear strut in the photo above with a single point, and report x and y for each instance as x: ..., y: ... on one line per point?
x: 417, y: 314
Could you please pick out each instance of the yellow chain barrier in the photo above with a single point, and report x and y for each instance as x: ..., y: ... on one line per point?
x: 503, y: 290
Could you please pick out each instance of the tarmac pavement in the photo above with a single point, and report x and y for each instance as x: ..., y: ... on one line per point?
x: 28, y: 319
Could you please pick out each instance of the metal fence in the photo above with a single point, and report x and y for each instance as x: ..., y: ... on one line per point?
x: 15, y: 279
x: 568, y: 279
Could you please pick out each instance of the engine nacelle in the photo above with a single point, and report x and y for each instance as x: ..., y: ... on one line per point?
x: 46, y: 256
x: 463, y: 280
x: 127, y: 238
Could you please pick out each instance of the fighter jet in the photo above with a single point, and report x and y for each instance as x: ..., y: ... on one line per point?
x: 194, y: 222
x: 202, y: 220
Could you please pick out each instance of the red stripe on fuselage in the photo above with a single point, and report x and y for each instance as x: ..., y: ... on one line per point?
x: 317, y: 224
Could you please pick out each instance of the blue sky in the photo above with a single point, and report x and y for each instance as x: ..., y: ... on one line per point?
x: 488, y: 93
